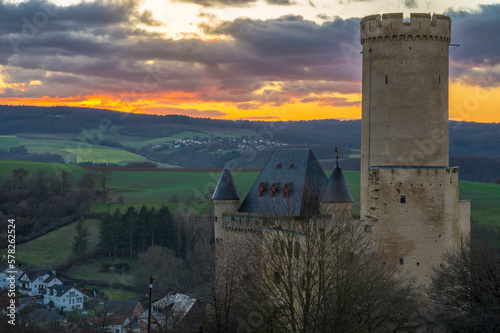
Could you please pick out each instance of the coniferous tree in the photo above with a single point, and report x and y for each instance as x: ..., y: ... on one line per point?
x: 130, y: 226
x: 165, y: 228
x: 105, y: 229
x: 143, y: 228
x: 80, y: 240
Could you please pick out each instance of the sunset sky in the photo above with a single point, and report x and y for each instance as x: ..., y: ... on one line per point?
x: 228, y: 59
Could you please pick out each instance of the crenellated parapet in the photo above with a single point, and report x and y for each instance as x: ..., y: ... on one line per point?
x: 392, y: 27
x: 243, y: 221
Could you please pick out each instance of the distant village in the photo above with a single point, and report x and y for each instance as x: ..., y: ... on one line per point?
x: 228, y: 143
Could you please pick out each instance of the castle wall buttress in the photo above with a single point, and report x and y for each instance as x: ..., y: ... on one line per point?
x: 416, y: 214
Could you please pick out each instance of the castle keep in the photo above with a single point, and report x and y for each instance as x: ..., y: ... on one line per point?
x: 409, y: 193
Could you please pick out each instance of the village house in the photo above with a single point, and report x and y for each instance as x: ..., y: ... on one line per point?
x: 34, y: 282
x: 66, y: 298
x: 5, y: 276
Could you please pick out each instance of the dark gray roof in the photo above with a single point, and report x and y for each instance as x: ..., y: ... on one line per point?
x: 34, y: 274
x: 121, y: 307
x: 336, y: 190
x: 60, y: 289
x: 226, y: 190
x: 298, y: 169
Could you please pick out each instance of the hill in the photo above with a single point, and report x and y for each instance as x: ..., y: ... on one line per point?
x: 96, y: 136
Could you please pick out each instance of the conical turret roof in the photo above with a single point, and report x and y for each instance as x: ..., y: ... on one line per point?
x: 336, y: 189
x: 226, y: 189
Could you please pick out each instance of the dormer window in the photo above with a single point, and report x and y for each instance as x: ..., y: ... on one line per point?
x: 292, y: 166
x: 278, y: 166
x: 285, y: 191
x: 262, y: 189
x: 274, y: 190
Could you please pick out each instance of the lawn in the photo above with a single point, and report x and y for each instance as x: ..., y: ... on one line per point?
x: 54, y: 248
x: 93, y: 271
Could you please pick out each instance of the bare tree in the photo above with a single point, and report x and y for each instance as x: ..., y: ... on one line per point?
x: 466, y: 289
x: 322, y: 275
x: 161, y: 263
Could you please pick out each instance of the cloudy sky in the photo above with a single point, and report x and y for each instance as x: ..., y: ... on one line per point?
x: 230, y: 59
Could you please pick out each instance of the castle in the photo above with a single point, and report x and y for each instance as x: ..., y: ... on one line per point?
x: 409, y: 193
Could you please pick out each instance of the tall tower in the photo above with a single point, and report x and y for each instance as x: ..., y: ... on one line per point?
x: 408, y: 191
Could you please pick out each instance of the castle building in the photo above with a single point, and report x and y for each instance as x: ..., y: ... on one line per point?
x: 292, y: 183
x: 409, y: 193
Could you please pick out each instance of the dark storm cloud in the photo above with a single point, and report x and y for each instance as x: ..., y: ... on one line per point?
x: 280, y: 2
x: 79, y: 54
x: 477, y: 34
x: 410, y: 3
x: 220, y: 3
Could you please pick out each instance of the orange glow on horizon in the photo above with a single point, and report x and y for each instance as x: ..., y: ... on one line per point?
x: 467, y: 103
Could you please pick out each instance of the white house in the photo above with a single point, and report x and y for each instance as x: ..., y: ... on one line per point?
x: 34, y: 282
x: 66, y: 298
x: 6, y: 275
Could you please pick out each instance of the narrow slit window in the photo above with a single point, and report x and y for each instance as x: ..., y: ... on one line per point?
x: 386, y: 80
x: 402, y: 199
x: 401, y: 261
x: 439, y: 79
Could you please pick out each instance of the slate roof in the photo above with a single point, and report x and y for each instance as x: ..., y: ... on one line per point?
x: 336, y: 189
x: 34, y: 274
x: 226, y: 189
x: 295, y: 167
x: 121, y: 307
x: 60, y: 289
x: 50, y: 278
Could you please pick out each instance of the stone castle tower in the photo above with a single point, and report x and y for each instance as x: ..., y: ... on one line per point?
x: 409, y: 193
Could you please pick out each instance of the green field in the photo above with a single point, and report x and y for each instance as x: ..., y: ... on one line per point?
x: 71, y: 151
x: 6, y: 167
x: 54, y: 248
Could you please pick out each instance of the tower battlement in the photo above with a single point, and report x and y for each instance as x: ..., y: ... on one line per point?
x: 391, y: 26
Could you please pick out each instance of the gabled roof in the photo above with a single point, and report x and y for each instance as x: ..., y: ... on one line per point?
x: 61, y: 290
x: 336, y: 190
x: 226, y: 189
x: 50, y: 278
x: 34, y: 274
x: 295, y: 166
x: 122, y: 307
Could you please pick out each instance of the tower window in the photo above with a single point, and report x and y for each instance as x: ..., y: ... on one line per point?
x: 402, y: 199
x: 386, y: 80
x: 216, y: 219
x: 439, y: 79
x: 401, y: 261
